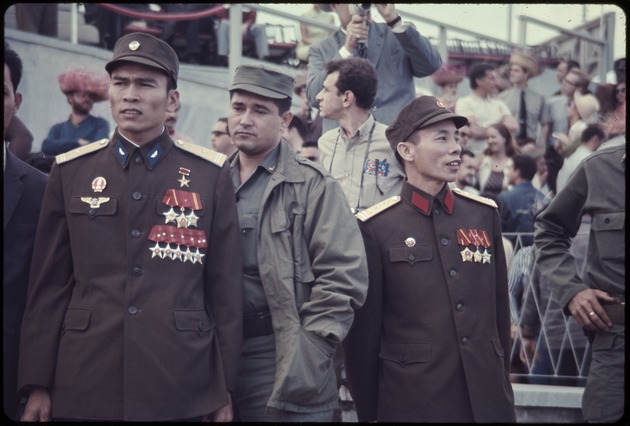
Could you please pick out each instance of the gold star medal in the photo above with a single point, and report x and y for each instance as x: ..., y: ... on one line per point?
x: 183, y: 181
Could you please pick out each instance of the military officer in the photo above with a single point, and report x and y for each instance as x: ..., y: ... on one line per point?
x: 596, y: 298
x: 134, y: 308
x: 431, y: 343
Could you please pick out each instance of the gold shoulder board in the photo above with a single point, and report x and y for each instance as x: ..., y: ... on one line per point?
x: 80, y: 151
x: 205, y: 153
x: 377, y: 208
x: 478, y: 198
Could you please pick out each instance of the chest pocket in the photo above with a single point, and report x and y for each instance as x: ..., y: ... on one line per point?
x: 608, y: 229
x: 411, y: 255
x: 93, y: 207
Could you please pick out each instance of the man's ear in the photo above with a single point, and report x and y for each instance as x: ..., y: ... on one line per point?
x: 173, y: 101
x: 286, y: 119
x: 348, y: 99
x: 18, y: 102
x: 404, y: 150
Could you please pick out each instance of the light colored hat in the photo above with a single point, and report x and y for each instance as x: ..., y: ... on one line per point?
x: 448, y: 74
x: 587, y: 106
x: 82, y: 80
x: 525, y: 61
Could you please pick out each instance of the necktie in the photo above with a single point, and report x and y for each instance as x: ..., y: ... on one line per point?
x: 522, y: 118
x: 362, y: 50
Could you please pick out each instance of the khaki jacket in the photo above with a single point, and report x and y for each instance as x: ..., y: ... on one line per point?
x: 314, y: 272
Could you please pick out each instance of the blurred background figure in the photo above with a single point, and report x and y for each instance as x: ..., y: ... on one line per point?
x: 583, y: 110
x: 19, y: 138
x: 220, y: 139
x: 614, y: 119
x: 467, y: 172
x: 524, y: 103
x: 310, y: 151
x: 82, y: 89
x: 295, y: 133
x: 492, y: 172
x: 564, y: 66
x: 172, y: 117
x: 310, y: 34
x: 310, y: 115
x: 38, y: 18
x: 446, y: 79
x: 252, y: 32
x: 591, y: 139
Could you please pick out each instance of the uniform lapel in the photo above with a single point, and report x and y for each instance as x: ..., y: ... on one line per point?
x: 376, y: 38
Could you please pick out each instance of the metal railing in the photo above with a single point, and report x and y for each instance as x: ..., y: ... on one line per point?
x: 548, y: 347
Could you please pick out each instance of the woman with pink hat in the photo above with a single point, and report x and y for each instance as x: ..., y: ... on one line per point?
x: 82, y: 89
x: 446, y: 79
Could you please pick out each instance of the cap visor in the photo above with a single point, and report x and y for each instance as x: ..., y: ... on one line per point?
x: 258, y: 90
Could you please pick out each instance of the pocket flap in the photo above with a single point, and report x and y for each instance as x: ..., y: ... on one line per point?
x: 608, y: 221
x: 419, y: 253
x: 85, y: 205
x: 406, y: 353
x: 77, y: 319
x: 193, y: 321
x: 496, y: 342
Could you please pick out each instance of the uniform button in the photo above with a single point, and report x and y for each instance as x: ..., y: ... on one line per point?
x: 92, y: 212
x: 444, y: 241
x: 465, y: 340
x: 132, y: 310
x: 138, y: 160
x: 459, y: 306
x: 607, y: 220
x: 136, y: 271
x: 136, y: 233
x: 136, y: 196
x: 412, y: 257
x: 453, y: 272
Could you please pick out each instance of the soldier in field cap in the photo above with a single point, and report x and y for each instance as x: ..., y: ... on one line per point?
x: 304, y: 270
x: 134, y: 308
x: 432, y: 341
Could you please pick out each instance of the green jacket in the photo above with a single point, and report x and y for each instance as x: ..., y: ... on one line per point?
x: 314, y: 272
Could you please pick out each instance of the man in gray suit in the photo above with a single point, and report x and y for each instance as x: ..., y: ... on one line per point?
x: 396, y: 49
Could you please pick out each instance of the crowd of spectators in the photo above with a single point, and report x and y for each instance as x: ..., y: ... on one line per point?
x: 519, y: 147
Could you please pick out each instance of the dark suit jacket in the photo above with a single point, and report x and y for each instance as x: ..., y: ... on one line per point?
x: 432, y: 341
x: 398, y: 58
x: 23, y: 192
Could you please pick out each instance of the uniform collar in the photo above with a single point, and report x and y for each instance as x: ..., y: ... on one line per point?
x: 424, y: 202
x: 151, y: 153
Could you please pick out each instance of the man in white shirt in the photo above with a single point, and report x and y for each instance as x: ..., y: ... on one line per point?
x: 592, y: 138
x: 357, y: 152
x: 481, y: 108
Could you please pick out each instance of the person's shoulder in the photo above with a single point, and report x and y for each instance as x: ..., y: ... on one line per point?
x: 329, y: 135
x: 207, y: 154
x: 477, y: 199
x: 378, y: 208
x: 81, y: 151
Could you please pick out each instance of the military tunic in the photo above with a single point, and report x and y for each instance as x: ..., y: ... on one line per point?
x: 135, y: 307
x: 432, y: 342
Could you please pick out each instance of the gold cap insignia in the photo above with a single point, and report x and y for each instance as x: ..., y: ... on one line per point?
x: 134, y: 45
x: 99, y: 184
x: 440, y: 104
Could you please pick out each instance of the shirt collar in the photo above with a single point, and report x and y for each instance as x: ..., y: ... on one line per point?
x: 151, y: 153
x: 424, y: 202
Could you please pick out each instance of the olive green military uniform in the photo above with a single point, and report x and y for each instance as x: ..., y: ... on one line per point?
x: 596, y: 188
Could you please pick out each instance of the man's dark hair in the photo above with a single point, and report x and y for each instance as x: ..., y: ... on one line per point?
x: 571, y: 64
x: 357, y: 75
x: 478, y: 70
x: 467, y: 153
x: 283, y: 105
x: 298, y: 124
x: 591, y: 131
x: 309, y: 144
x: 13, y: 61
x: 525, y: 165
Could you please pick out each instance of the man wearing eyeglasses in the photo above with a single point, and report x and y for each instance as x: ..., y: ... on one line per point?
x: 221, y: 140
x: 554, y: 120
